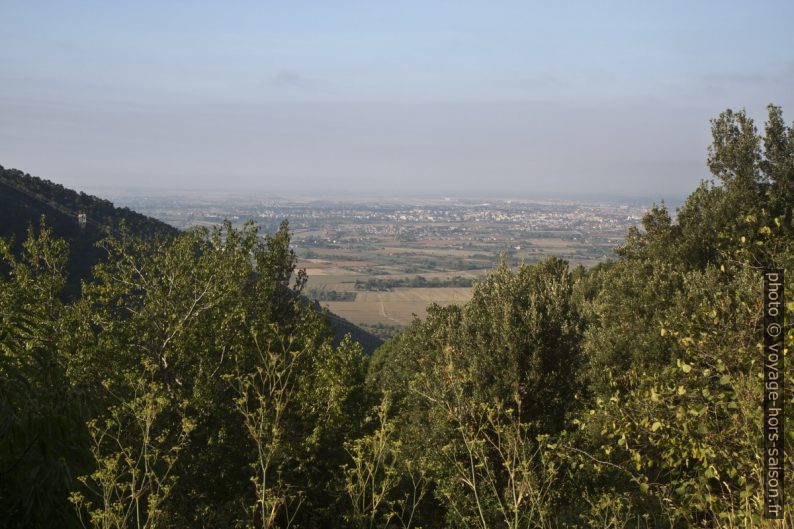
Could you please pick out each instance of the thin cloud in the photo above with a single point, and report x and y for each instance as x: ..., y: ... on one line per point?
x: 783, y: 75
x: 292, y: 79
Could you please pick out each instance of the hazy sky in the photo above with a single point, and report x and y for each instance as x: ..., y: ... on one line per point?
x: 403, y: 97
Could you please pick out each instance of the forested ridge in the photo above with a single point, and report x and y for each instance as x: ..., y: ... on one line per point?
x: 189, y: 385
x: 24, y: 199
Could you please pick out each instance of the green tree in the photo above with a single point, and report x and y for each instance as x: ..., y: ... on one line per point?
x: 200, y: 311
x: 476, y: 385
x: 41, y: 442
x: 670, y: 434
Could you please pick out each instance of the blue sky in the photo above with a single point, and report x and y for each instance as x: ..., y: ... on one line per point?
x: 464, y: 97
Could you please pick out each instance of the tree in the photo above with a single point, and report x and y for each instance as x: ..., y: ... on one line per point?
x: 385, y: 484
x: 478, y: 389
x: 202, y: 312
x: 669, y: 434
x: 136, y: 446
x: 40, y: 416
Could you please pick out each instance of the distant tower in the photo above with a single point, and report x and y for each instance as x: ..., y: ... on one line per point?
x: 82, y: 219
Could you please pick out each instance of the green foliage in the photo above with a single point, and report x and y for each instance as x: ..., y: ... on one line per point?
x: 330, y: 295
x: 135, y: 387
x: 384, y: 483
x: 755, y: 177
x: 671, y: 431
x: 40, y: 416
x: 378, y: 284
x: 383, y: 330
x: 264, y: 396
x: 135, y: 446
x: 206, y: 312
x: 681, y: 437
x: 490, y: 471
x: 477, y: 391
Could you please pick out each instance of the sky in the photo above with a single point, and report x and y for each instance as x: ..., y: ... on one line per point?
x: 454, y: 98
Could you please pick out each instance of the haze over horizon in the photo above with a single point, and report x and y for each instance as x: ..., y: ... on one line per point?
x: 444, y: 98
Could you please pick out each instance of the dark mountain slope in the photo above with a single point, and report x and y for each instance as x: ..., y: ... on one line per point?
x: 24, y: 199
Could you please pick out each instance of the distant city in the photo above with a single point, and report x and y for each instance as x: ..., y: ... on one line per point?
x: 353, y: 222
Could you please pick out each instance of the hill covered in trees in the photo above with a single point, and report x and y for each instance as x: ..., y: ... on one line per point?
x: 189, y: 386
x: 25, y: 199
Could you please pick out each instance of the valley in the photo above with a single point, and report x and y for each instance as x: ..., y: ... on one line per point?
x: 380, y: 263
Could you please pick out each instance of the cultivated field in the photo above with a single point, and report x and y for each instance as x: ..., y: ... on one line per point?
x: 338, y: 276
x: 396, y: 308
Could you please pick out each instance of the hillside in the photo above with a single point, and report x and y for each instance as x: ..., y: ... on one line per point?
x: 24, y: 199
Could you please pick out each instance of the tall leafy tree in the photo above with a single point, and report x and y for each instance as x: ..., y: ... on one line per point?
x: 205, y: 320
x: 41, y: 441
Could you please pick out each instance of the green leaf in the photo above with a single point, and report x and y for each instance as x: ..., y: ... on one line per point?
x: 655, y: 426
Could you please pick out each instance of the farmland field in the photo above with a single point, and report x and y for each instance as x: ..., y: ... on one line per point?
x: 397, y: 307
x: 383, y: 283
x: 394, y: 308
